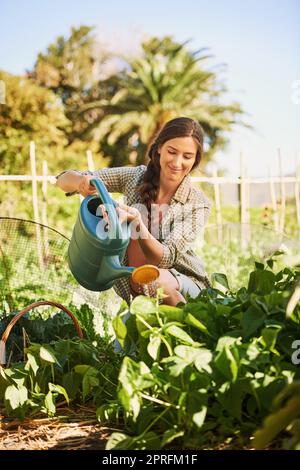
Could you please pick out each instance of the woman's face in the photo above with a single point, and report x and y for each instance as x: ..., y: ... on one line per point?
x: 177, y: 157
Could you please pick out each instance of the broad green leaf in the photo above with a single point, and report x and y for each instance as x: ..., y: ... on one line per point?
x: 170, y: 435
x: 227, y: 341
x: 199, y: 356
x: 71, y: 382
x: 175, y: 365
x: 199, y: 417
x: 90, y: 380
x: 231, y: 397
x: 253, y: 351
x: 188, y: 353
x: 60, y: 390
x: 120, y: 329
x: 31, y: 362
x: 16, y: 375
x: 133, y: 377
x: 203, y: 360
x: 269, y: 337
x: 171, y: 313
x: 259, y: 266
x: 47, y: 355
x: 221, y: 279
x: 123, y: 307
x: 226, y: 364
x: 193, y: 321
x: 108, y: 412
x: 119, y: 441
x: 143, y: 306
x: 252, y: 319
x: 267, y: 387
x: 270, y: 263
x: 50, y: 404
x: 261, y: 282
x: 180, y: 334
x: 16, y: 396
x: 153, y: 346
x: 131, y: 403
x: 81, y: 369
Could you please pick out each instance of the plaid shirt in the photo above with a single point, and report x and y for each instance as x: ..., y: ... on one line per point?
x: 177, y: 243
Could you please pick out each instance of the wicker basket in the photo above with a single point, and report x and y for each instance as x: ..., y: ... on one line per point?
x: 21, y: 313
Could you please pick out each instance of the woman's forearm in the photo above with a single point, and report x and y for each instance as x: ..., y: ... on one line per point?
x: 69, y: 181
x: 152, y: 248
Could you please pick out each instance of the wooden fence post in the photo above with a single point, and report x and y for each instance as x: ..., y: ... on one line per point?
x: 242, y: 190
x: 90, y: 161
x: 218, y: 205
x: 297, y: 184
x: 274, y: 201
x: 44, y: 206
x: 282, y: 194
x: 244, y: 216
x: 35, y: 202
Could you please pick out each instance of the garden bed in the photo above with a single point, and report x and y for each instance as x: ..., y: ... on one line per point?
x: 219, y: 372
x: 76, y: 429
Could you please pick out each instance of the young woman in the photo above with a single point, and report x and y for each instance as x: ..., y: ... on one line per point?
x: 166, y: 211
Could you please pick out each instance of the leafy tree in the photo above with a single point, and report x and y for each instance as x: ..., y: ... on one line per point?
x: 30, y: 113
x: 166, y: 81
x: 71, y: 101
x: 74, y: 68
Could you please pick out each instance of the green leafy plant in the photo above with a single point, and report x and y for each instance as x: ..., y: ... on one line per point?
x: 192, y: 376
x: 214, y: 364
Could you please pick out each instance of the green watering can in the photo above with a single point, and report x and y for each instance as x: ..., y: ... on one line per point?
x: 96, y: 251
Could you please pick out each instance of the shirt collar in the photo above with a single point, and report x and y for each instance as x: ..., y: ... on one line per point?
x: 183, y: 190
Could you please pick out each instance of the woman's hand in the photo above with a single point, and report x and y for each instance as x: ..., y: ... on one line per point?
x: 84, y: 186
x: 129, y: 214
x: 125, y: 213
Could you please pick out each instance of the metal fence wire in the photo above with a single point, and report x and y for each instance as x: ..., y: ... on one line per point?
x: 33, y: 267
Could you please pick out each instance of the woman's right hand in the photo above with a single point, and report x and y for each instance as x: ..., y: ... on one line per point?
x: 84, y: 186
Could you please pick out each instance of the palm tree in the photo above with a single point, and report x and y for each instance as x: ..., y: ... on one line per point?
x: 166, y: 81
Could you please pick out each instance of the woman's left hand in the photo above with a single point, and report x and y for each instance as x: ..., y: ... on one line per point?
x: 129, y: 214
x: 125, y: 213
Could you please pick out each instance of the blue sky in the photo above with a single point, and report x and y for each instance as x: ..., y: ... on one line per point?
x: 258, y: 40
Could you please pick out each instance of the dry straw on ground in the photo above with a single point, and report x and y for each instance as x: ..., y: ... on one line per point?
x: 73, y: 430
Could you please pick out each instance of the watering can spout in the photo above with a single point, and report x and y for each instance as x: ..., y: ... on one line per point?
x: 112, y: 270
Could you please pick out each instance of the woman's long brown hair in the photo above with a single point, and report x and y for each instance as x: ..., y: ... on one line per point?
x: 178, y: 127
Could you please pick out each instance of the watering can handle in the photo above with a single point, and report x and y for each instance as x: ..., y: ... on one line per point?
x: 109, y: 206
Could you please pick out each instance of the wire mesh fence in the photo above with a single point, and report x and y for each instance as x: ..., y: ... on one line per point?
x: 34, y: 266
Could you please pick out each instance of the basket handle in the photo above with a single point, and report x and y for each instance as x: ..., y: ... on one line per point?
x: 25, y: 310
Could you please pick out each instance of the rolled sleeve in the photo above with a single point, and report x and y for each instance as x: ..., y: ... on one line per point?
x: 169, y: 256
x: 183, y: 235
x: 115, y: 179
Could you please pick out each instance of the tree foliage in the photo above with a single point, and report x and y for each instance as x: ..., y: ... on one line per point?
x: 73, y: 101
x: 73, y: 68
x: 166, y: 81
x: 30, y: 112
